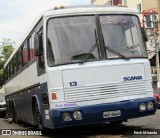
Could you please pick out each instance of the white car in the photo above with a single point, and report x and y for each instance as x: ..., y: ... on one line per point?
x: 2, y: 105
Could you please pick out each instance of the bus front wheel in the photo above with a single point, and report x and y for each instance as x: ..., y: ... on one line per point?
x: 38, y: 117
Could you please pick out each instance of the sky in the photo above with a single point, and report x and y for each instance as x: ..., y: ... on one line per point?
x: 16, y: 16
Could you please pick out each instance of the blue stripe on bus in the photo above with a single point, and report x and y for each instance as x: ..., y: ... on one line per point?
x: 94, y: 114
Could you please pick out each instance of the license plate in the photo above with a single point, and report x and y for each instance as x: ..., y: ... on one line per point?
x: 109, y: 114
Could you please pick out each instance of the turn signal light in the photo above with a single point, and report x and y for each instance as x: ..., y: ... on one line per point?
x: 54, y: 96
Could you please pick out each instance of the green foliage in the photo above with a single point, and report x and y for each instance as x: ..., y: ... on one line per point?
x: 1, y: 64
x: 1, y: 72
x: 5, y: 54
x: 1, y: 78
x: 6, y: 51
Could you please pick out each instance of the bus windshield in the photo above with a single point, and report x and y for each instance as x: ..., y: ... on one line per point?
x: 122, y: 33
x: 70, y: 38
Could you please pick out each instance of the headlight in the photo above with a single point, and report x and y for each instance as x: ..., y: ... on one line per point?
x: 142, y: 107
x: 77, y: 115
x: 150, y: 105
x: 67, y: 116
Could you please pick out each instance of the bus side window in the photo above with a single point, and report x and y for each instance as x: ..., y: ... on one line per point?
x: 31, y: 47
x: 10, y: 70
x: 16, y: 57
x: 50, y: 56
x: 25, y: 54
x: 32, y: 54
x: 6, y: 74
x: 15, y: 65
x: 19, y: 59
x: 41, y: 64
x: 13, y: 71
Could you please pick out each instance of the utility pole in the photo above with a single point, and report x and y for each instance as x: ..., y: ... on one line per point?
x: 112, y: 2
x: 154, y: 36
x: 157, y: 50
x: 157, y: 47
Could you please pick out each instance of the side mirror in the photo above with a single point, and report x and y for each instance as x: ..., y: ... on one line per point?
x: 144, y: 36
x: 38, y: 45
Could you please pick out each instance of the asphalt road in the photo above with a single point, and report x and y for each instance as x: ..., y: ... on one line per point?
x: 149, y: 124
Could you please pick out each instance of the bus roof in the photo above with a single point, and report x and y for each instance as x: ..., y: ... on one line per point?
x: 90, y: 9
x: 75, y: 10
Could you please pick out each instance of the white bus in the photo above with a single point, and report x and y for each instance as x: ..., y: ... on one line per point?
x: 78, y: 66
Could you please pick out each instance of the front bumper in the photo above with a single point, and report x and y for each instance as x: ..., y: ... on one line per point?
x: 94, y: 113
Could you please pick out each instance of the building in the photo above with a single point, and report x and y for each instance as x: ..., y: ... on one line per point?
x: 149, y: 10
x: 141, y: 5
x: 106, y: 2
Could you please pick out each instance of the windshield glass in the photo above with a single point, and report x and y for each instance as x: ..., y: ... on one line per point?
x: 70, y: 39
x: 123, y: 34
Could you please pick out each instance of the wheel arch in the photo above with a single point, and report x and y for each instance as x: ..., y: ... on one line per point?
x: 35, y: 100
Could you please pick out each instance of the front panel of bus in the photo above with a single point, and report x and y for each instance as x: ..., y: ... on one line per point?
x: 97, y: 69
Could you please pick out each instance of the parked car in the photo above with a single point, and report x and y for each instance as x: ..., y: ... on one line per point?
x: 157, y: 97
x: 2, y: 105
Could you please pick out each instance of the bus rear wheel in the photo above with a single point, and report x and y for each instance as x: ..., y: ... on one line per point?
x: 14, y: 115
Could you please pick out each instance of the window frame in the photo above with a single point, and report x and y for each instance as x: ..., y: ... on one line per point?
x: 23, y: 57
x: 41, y: 71
x: 19, y: 63
x: 31, y: 45
x: 143, y: 44
x: 75, y: 62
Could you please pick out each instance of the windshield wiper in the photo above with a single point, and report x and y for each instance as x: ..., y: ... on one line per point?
x: 90, y: 51
x: 116, y: 52
x: 88, y: 54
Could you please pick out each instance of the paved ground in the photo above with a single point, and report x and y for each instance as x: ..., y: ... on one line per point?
x: 127, y: 129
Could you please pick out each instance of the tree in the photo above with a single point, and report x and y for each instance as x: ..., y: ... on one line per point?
x: 7, y: 47
x: 6, y: 50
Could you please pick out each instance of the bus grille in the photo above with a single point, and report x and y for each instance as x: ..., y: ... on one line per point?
x: 105, y: 91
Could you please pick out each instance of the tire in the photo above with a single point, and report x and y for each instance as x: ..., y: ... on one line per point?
x: 15, y: 118
x: 3, y: 114
x: 14, y: 115
x: 38, y: 117
x: 116, y: 123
